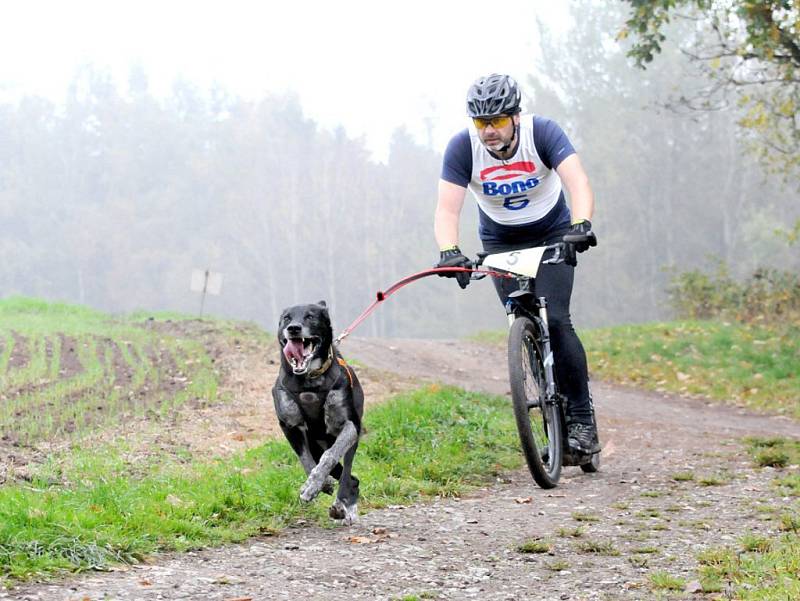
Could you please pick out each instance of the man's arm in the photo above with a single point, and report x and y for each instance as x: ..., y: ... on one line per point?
x: 576, y: 182
x: 448, y: 212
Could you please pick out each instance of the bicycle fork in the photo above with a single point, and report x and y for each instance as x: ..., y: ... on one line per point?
x: 547, y: 352
x: 540, y: 318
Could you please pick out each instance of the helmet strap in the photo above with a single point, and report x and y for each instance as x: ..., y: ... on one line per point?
x: 510, y: 142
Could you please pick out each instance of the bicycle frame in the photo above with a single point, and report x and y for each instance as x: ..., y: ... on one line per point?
x: 524, y: 303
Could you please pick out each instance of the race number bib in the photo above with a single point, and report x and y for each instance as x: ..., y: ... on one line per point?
x: 522, y: 262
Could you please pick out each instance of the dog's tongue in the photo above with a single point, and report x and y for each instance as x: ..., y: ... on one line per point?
x: 294, y: 348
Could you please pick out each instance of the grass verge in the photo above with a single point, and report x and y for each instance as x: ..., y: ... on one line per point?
x: 750, y: 365
x: 758, y: 568
x: 436, y: 441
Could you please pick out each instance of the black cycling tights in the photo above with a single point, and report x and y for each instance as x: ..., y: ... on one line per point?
x: 554, y: 282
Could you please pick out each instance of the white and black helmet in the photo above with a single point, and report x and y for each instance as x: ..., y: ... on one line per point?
x: 493, y: 95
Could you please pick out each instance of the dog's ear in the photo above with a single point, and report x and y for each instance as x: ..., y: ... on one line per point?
x: 324, y: 313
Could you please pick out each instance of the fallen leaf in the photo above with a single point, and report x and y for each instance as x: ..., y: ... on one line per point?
x: 359, y: 540
x: 145, y: 583
x: 522, y: 500
x: 609, y: 448
x: 175, y: 501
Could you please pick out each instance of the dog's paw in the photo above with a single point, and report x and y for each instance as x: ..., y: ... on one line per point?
x: 340, y: 511
x: 308, y: 492
x: 329, y: 486
x: 312, y: 487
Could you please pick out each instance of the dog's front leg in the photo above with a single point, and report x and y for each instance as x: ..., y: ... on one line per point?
x: 316, y: 479
x: 292, y: 423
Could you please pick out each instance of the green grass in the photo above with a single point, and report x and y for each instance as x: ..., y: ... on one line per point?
x: 499, y: 337
x: 535, y: 545
x: 583, y: 516
x: 570, y: 532
x: 746, y: 364
x: 82, y: 370
x: 774, y: 452
x: 759, y: 567
x: 749, y: 365
x: 431, y: 442
x: 599, y: 547
x: 713, y: 480
x: 661, y: 580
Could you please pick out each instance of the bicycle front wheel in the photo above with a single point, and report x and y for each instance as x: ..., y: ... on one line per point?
x: 538, y: 422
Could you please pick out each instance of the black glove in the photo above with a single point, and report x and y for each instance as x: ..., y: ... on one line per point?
x: 453, y: 257
x: 579, y: 238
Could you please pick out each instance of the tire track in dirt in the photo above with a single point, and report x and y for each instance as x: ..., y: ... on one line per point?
x: 603, y: 533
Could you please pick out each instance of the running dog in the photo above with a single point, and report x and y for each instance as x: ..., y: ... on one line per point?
x: 319, y: 403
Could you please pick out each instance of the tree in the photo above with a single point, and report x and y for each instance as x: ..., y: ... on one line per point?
x: 749, y: 52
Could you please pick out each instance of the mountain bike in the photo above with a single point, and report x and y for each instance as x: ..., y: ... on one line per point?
x: 539, y: 409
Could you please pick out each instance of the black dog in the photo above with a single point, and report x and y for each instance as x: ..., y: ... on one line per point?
x: 319, y: 403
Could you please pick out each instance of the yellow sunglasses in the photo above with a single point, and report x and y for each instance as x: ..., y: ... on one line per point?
x: 496, y: 122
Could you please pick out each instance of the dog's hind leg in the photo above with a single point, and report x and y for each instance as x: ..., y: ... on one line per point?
x: 317, y: 478
x: 346, y: 505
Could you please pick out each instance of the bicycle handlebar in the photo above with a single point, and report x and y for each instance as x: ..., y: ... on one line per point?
x: 559, y: 256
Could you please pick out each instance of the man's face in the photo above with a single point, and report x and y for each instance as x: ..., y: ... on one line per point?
x: 497, y: 131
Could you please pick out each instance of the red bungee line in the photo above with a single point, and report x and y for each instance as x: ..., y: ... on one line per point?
x: 383, y: 295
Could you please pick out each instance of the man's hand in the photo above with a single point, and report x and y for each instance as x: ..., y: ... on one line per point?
x: 579, y: 238
x: 453, y: 257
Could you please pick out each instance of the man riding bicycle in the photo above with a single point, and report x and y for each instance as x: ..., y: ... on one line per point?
x: 515, y: 166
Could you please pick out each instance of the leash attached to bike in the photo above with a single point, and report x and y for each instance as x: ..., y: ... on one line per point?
x: 382, y: 295
x: 540, y: 411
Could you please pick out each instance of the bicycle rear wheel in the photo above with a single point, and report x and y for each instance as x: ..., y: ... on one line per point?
x: 538, y: 422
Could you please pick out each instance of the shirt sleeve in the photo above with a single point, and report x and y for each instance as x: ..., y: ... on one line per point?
x: 551, y: 142
x: 457, y: 163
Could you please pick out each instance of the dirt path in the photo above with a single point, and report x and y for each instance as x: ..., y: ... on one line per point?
x: 603, y: 533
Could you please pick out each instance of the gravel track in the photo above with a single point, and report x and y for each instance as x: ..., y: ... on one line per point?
x: 601, y: 534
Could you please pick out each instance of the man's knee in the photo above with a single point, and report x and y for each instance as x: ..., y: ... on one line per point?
x: 559, y: 322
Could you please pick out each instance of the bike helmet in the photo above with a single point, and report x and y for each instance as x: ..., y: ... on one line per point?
x: 493, y: 95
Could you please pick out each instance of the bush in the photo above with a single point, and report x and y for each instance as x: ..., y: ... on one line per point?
x: 767, y: 296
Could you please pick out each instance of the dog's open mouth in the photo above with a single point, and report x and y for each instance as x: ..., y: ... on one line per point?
x: 299, y: 351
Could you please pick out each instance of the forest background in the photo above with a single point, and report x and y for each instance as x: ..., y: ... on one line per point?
x: 114, y: 197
